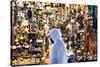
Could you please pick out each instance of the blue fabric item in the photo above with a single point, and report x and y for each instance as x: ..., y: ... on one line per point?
x: 29, y: 13
x: 58, y: 54
x: 71, y: 58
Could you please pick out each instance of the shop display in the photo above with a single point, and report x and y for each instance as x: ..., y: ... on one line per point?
x: 52, y: 33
